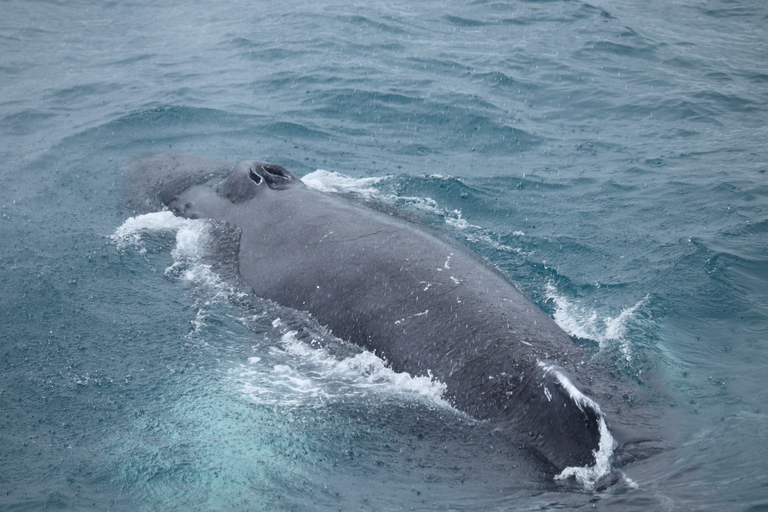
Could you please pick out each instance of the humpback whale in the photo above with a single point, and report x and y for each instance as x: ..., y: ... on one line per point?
x: 425, y: 303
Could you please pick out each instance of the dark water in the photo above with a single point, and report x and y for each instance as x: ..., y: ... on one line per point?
x: 611, y: 157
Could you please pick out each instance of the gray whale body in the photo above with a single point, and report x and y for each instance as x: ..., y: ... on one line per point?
x: 425, y: 303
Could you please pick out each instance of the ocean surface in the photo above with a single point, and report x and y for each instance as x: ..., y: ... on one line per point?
x: 612, y: 157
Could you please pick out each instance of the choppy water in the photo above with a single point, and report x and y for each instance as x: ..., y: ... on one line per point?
x: 611, y: 156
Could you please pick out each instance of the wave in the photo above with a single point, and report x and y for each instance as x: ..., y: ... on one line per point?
x: 587, y: 324
x: 299, y: 374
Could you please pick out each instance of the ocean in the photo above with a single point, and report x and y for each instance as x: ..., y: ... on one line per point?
x: 611, y: 157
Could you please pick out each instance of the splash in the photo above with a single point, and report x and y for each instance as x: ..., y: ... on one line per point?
x: 487, y: 240
x: 192, y: 237
x: 338, y: 183
x: 188, y: 254
x: 130, y: 233
x: 586, y: 324
x: 296, y: 373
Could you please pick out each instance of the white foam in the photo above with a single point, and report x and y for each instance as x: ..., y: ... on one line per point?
x: 336, y: 182
x: 487, y: 240
x: 130, y: 232
x: 300, y: 374
x: 587, y: 324
x: 455, y: 221
x: 630, y: 483
x: 191, y: 239
x: 189, y: 249
x: 586, y: 476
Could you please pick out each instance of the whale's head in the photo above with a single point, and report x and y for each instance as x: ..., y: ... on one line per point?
x: 156, y: 181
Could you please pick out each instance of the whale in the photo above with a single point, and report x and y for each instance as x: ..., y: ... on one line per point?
x: 423, y: 302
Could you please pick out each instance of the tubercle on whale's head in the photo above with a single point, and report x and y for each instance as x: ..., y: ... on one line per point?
x: 250, y: 177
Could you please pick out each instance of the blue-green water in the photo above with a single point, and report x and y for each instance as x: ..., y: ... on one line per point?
x: 611, y: 156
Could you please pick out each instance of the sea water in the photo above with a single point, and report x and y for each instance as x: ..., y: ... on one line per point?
x: 610, y: 156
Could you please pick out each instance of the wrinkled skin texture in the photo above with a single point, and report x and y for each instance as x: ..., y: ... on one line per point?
x: 426, y: 304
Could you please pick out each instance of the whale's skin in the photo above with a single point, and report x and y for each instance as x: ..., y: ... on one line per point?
x: 425, y: 303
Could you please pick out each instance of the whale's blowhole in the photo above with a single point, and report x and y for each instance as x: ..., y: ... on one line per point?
x: 255, y: 177
x: 276, y: 171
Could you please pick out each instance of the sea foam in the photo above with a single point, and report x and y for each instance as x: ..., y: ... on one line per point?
x: 588, y: 324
